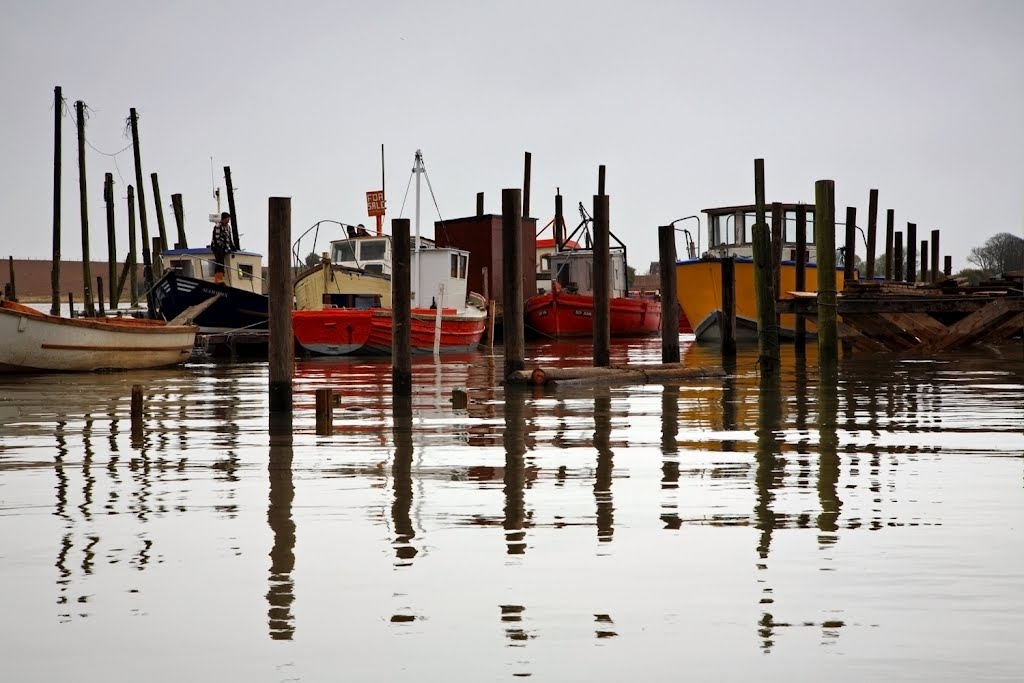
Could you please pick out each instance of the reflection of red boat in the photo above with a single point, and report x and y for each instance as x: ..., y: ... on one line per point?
x: 561, y: 314
x: 341, y: 331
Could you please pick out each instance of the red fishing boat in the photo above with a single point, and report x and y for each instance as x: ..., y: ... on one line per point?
x: 562, y: 314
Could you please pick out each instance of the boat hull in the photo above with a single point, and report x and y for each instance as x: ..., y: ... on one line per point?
x: 31, y: 341
x: 234, y: 309
x: 335, y: 283
x: 699, y: 287
x: 560, y: 315
x: 342, y: 331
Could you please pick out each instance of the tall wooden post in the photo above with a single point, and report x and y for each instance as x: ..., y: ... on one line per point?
x: 99, y: 295
x: 764, y: 281
x: 898, y: 260
x: 112, y: 259
x: 527, y: 162
x: 600, y: 179
x: 947, y: 266
x: 83, y: 200
x: 158, y: 261
x: 479, y: 203
x: 324, y: 411
x: 778, y: 226
x: 602, y: 284
x: 800, y: 331
x: 281, y: 352
x: 512, y: 280
x: 147, y: 262
x: 133, y: 263
x: 669, y: 295
x: 825, y: 239
x: 890, y: 231
x: 869, y: 265
x: 10, y: 269
x: 850, y: 252
x: 911, y: 270
x: 935, y: 256
x: 159, y: 211
x: 58, y: 115
x: 231, y: 206
x: 924, y: 261
x: 727, y: 319
x: 559, y: 227
x: 179, y: 221
x: 401, y: 305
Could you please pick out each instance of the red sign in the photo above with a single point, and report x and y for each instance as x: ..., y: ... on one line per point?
x: 375, y: 203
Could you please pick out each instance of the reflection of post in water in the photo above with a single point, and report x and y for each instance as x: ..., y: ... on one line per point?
x: 89, y: 479
x: 828, y: 456
x: 281, y: 593
x: 767, y: 477
x: 515, y: 469
x: 800, y: 399
x: 58, y: 468
x: 729, y: 402
x: 670, y: 454
x: 401, y: 478
x: 603, y: 480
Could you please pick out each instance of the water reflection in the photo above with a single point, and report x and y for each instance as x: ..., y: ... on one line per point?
x: 514, y: 438
x: 768, y: 476
x: 828, y: 456
x: 670, y: 456
x: 603, y: 477
x: 401, y: 481
x: 281, y: 593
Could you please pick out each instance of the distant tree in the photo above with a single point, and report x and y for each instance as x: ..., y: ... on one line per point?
x: 630, y: 276
x: 880, y: 265
x: 312, y: 259
x: 1001, y: 253
x: 973, y: 275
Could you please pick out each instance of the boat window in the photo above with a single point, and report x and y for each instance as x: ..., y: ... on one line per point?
x: 343, y: 251
x: 463, y: 266
x: 245, y: 271
x: 374, y: 250
x: 374, y: 268
x: 455, y: 265
x: 208, y: 267
x: 184, y: 267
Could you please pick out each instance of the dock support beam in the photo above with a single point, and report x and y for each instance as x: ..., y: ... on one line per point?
x: 280, y: 292
x: 869, y: 262
x: 910, y: 274
x: 898, y: 260
x: 800, y: 330
x: 890, y: 228
x: 512, y: 284
x: 401, y: 305
x: 602, y: 284
x: 825, y: 239
x: 669, y: 294
x: 935, y: 256
x: 850, y: 250
x: 764, y: 283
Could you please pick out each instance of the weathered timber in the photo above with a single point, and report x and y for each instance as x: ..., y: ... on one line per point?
x: 669, y: 295
x: 890, y: 228
x: 764, y: 281
x: 869, y: 264
x: 58, y: 114
x: 401, y: 283
x: 825, y: 235
x: 970, y: 329
x: 280, y: 290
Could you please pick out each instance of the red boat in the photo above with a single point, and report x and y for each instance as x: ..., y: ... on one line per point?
x: 562, y: 314
x: 342, y: 331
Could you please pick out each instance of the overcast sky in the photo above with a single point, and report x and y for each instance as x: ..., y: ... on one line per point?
x: 922, y: 100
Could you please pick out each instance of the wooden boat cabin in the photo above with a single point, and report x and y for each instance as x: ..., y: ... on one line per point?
x: 243, y: 270
x: 730, y: 231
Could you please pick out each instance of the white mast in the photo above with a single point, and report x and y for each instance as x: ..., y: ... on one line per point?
x: 418, y: 170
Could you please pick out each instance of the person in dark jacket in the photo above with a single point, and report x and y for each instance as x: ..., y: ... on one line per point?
x: 221, y: 243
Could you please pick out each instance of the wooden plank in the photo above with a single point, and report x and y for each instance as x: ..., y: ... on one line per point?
x: 975, y: 326
x: 853, y: 336
x: 882, y: 330
x: 1011, y: 328
x: 921, y: 325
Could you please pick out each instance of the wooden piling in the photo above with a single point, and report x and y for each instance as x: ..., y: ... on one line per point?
x: 559, y: 227
x: 512, y: 280
x: 158, y: 261
x: 71, y: 305
x: 83, y: 201
x: 898, y: 259
x: 479, y: 203
x: 231, y: 206
x: 281, y: 359
x: 850, y: 250
x: 179, y: 221
x: 800, y: 276
x: 600, y: 179
x: 764, y: 282
x: 924, y: 261
x: 910, y: 273
x: 159, y: 212
x: 890, y: 227
x: 133, y: 254
x: 727, y: 319
x: 778, y: 226
x: 869, y: 263
x: 14, y: 288
x: 669, y: 295
x: 112, y: 260
x: 99, y: 296
x: 460, y: 399
x: 935, y: 256
x: 948, y: 266
x: 825, y: 239
x: 602, y: 283
x: 527, y: 162
x: 401, y: 292
x: 58, y: 115
x: 147, y: 263
x: 324, y: 412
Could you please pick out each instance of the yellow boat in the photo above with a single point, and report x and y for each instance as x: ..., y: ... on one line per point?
x: 699, y: 280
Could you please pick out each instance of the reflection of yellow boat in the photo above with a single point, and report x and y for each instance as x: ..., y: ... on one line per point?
x: 699, y: 281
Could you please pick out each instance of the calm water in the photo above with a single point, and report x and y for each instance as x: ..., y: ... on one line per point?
x: 718, y: 530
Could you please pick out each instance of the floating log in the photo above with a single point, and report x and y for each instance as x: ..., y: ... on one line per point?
x: 623, y: 374
x: 324, y: 412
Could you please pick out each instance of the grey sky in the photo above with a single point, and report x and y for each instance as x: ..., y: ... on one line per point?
x: 922, y: 100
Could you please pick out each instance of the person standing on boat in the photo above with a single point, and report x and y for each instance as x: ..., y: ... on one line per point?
x: 221, y: 244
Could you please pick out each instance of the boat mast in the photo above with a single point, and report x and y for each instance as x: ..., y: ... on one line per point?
x: 418, y: 169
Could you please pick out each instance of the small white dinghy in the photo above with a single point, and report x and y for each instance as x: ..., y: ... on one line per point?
x: 32, y: 341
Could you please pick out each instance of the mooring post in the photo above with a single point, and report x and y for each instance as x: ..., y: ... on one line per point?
x: 727, y: 319
x: 231, y: 206
x: 141, y: 193
x: 778, y: 226
x: 600, y: 179
x: 800, y: 276
x: 602, y: 284
x: 401, y: 292
x: 825, y: 239
x: 133, y: 267
x: 71, y: 305
x: 159, y: 210
x: 911, y: 270
x: 764, y: 281
x: 669, y: 295
x: 527, y: 162
x: 112, y: 261
x: 512, y: 280
x: 890, y: 228
x: 10, y: 269
x: 282, y: 352
x: 924, y: 261
x: 898, y: 259
x: 869, y: 264
x: 83, y: 200
x: 179, y: 221
x: 58, y: 114
x: 99, y: 295
x: 559, y: 225
x: 158, y: 261
x: 850, y: 249
x: 324, y: 411
x: 935, y: 256
x: 948, y: 266
x: 479, y: 203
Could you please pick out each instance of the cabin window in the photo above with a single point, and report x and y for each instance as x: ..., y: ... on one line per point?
x: 455, y: 265
x: 245, y: 271
x: 463, y: 266
x: 377, y: 268
x: 344, y: 251
x: 184, y: 267
x: 373, y: 250
x: 208, y: 266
